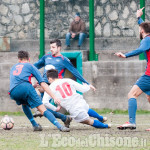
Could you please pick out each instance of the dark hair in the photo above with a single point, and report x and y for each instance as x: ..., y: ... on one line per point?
x: 57, y: 41
x: 145, y: 26
x: 23, y: 55
x: 52, y: 73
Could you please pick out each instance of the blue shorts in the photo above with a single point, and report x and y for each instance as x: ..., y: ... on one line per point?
x: 144, y: 84
x: 26, y: 94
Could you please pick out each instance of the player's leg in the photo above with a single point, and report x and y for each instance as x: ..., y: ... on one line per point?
x: 29, y: 115
x: 35, y: 101
x: 132, y: 107
x: 83, y: 117
x: 36, y: 112
x: 93, y: 113
x: 95, y: 123
x: 52, y: 118
x: 148, y: 98
x: 64, y: 118
x: 20, y: 95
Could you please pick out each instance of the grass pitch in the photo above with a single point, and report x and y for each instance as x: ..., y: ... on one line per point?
x: 22, y: 137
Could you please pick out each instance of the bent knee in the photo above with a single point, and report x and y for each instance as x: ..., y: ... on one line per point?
x: 132, y: 95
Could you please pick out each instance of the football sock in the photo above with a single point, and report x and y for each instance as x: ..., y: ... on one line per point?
x: 52, y: 119
x: 94, y: 114
x: 98, y: 124
x: 29, y: 115
x: 58, y: 115
x: 132, y: 107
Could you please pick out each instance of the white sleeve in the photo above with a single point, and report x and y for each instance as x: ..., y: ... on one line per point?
x: 46, y: 102
x: 80, y: 87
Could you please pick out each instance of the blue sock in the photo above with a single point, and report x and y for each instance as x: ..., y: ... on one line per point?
x: 132, y: 107
x: 29, y: 115
x: 58, y: 115
x: 94, y: 114
x: 52, y: 119
x: 98, y: 124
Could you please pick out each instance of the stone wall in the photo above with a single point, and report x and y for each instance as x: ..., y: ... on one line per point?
x: 19, y: 19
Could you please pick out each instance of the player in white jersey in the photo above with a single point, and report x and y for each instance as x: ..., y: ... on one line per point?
x: 65, y: 89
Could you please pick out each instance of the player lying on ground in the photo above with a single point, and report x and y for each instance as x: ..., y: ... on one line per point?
x: 57, y: 61
x: 65, y: 90
x: 143, y: 83
x: 22, y: 91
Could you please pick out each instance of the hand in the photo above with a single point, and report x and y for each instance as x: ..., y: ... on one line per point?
x: 119, y: 54
x: 36, y: 85
x: 41, y: 90
x: 73, y: 35
x: 92, y: 87
x: 57, y: 101
x: 139, y: 12
x: 58, y: 108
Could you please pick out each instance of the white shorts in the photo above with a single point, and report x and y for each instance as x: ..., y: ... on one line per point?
x: 80, y: 111
x: 82, y: 116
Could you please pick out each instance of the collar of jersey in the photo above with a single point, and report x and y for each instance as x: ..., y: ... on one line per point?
x: 57, y: 56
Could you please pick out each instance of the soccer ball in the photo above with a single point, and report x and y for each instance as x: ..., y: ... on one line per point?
x: 7, y: 122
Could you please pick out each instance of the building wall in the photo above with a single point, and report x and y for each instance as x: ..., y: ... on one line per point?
x: 19, y: 19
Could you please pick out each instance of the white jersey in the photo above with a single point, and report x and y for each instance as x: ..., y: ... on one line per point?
x: 65, y: 89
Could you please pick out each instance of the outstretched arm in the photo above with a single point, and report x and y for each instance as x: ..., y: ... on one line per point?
x: 75, y: 72
x: 139, y: 14
x: 144, y: 46
x: 40, y: 63
x: 80, y: 87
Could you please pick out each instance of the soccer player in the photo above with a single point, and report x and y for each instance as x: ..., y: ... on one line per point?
x: 59, y: 62
x: 65, y: 89
x: 143, y: 83
x: 22, y: 91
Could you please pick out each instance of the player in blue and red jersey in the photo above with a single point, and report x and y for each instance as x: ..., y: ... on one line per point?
x: 22, y: 91
x: 143, y: 83
x: 59, y: 62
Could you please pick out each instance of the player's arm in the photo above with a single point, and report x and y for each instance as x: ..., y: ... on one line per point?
x: 49, y: 92
x: 75, y: 72
x: 139, y: 14
x: 45, y: 101
x: 144, y: 46
x: 40, y: 63
x: 46, y: 88
x: 80, y: 87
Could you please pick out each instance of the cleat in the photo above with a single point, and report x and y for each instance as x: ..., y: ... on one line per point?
x: 64, y: 129
x: 109, y: 125
x: 37, y: 114
x: 127, y: 125
x: 37, y: 128
x: 147, y: 129
x: 104, y: 119
x: 67, y: 122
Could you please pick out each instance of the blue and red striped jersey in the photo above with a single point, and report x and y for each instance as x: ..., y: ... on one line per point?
x: 22, y: 72
x: 143, y: 48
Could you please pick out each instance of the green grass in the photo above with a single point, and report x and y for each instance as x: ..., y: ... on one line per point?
x: 12, y: 113
x: 102, y: 111
x: 117, y: 111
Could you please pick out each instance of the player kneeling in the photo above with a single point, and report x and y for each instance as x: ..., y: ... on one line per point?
x: 65, y: 89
